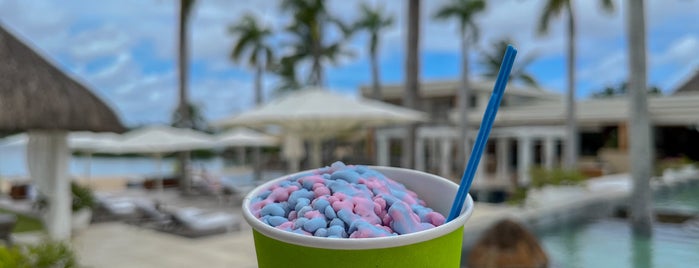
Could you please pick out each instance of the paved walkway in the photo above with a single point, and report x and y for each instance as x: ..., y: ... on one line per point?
x: 120, y: 245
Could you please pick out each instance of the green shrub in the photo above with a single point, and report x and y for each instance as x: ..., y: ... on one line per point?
x: 13, y: 257
x: 82, y: 197
x: 51, y: 254
x: 518, y: 196
x: 541, y: 177
x: 48, y: 254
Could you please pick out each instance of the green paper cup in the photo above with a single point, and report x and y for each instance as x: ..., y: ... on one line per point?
x: 436, y: 247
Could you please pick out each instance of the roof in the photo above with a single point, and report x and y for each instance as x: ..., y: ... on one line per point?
x: 689, y: 86
x: 36, y: 95
x: 664, y: 110
x: 448, y: 88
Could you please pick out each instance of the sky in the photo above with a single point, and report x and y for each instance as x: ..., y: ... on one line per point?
x: 125, y: 50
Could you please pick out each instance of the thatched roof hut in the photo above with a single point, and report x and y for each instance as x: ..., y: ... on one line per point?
x: 36, y: 95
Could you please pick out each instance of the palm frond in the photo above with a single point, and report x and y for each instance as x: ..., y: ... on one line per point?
x: 552, y: 9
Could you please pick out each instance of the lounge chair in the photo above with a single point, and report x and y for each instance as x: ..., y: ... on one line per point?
x: 111, y: 208
x: 150, y: 213
x: 234, y: 193
x: 194, y: 222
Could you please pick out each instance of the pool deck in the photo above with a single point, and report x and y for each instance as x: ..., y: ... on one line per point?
x: 121, y: 245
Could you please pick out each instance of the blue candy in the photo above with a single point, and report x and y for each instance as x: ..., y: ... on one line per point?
x: 265, y: 219
x: 276, y: 220
x: 320, y: 204
x: 314, y: 224
x: 346, y: 175
x: 299, y: 222
x: 301, y: 202
x: 337, y: 222
x: 301, y: 193
x: 273, y: 209
x: 264, y: 194
x: 329, y: 213
x: 337, y: 231
x: 347, y: 216
x: 321, y: 232
x: 421, y: 211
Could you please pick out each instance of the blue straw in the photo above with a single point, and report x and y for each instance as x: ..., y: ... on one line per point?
x: 484, y: 132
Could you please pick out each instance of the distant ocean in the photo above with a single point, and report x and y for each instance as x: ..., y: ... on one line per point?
x: 13, y: 165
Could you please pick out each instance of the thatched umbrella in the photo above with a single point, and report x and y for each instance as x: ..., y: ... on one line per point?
x: 37, y: 97
x: 507, y: 245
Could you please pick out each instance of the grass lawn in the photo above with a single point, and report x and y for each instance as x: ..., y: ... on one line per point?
x: 24, y: 223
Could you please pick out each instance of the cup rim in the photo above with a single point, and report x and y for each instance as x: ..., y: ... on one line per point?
x: 355, y: 243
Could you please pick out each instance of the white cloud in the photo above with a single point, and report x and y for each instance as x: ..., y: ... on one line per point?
x: 610, y: 69
x: 682, y: 51
x: 103, y: 41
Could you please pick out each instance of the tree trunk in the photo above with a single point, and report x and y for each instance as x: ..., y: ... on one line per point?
x: 316, y: 78
x: 258, y: 83
x: 571, y: 148
x: 463, y: 102
x: 182, y: 68
x: 256, y: 152
x: 412, y: 80
x: 641, y: 149
x: 182, y: 62
x: 376, y: 86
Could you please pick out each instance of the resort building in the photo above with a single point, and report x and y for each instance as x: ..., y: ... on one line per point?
x: 529, y: 131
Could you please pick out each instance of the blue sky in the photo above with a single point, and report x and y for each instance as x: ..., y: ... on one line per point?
x: 125, y: 49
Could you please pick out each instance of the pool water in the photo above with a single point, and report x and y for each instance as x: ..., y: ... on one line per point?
x: 685, y: 198
x: 608, y: 242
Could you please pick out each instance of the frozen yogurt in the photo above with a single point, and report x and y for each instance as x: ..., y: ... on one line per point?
x: 343, y: 201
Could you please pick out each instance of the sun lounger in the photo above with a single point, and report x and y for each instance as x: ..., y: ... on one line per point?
x: 150, y: 213
x: 111, y: 208
x: 194, y: 222
x: 235, y: 193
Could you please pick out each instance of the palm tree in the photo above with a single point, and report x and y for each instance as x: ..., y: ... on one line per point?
x: 252, y: 39
x: 286, y: 71
x: 184, y: 116
x: 641, y: 147
x: 491, y: 61
x: 412, y: 78
x: 464, y: 12
x: 373, y: 21
x: 183, y: 62
x: 554, y: 8
x: 309, y: 19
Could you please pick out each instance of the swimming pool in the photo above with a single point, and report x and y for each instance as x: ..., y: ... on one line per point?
x: 608, y: 242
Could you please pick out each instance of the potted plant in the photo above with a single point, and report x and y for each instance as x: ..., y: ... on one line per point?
x: 82, y: 204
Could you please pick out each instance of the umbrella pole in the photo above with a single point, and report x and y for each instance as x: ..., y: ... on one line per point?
x: 158, y: 164
x: 241, y: 156
x: 88, y: 169
x: 293, y: 165
x: 316, y: 152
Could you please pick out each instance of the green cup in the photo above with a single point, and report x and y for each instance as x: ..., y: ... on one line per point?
x: 436, y: 247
